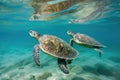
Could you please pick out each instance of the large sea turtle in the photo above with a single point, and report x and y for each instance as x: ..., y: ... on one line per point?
x: 55, y: 47
x: 86, y: 41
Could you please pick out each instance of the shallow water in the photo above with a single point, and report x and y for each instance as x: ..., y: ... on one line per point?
x: 16, y: 45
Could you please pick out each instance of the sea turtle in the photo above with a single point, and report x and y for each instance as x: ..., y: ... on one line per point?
x: 86, y: 41
x: 55, y: 47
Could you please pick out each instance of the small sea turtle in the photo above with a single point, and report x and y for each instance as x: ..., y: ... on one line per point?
x: 55, y: 47
x: 86, y: 41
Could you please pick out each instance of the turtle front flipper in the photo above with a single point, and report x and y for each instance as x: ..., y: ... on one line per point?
x: 63, y: 65
x: 36, y: 54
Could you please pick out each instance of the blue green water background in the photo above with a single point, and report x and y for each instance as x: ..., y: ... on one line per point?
x: 16, y: 47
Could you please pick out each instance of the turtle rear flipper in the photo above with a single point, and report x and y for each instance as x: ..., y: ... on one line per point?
x: 71, y: 42
x: 69, y: 61
x: 63, y: 65
x: 36, y: 54
x: 99, y: 51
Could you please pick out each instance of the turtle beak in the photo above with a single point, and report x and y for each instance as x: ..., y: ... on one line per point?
x: 68, y: 32
x: 31, y: 32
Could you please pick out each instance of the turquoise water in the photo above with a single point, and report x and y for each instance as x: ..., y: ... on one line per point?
x: 16, y: 45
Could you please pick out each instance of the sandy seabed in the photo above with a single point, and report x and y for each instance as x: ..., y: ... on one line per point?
x: 87, y: 66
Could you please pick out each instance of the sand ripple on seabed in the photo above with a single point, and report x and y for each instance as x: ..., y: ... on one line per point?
x: 26, y: 69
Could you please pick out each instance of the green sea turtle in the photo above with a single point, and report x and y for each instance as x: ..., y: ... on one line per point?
x: 86, y: 41
x: 55, y: 47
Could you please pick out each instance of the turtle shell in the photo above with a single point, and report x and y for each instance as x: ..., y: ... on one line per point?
x: 86, y: 40
x: 56, y: 47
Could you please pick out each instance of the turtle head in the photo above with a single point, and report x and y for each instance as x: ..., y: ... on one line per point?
x: 70, y: 33
x: 34, y: 34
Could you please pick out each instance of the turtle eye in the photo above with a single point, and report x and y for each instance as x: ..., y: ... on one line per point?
x: 34, y: 33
